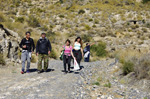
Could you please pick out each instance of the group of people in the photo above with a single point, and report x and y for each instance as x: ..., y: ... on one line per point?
x: 43, y: 49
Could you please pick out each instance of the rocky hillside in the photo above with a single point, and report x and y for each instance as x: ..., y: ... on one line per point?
x: 122, y: 24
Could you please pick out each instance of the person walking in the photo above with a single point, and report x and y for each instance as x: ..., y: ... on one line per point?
x: 43, y: 49
x: 68, y: 54
x: 27, y: 45
x: 78, y: 50
x: 87, y: 52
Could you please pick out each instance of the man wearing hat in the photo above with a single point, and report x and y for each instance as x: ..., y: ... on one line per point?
x: 27, y: 45
x: 43, y: 48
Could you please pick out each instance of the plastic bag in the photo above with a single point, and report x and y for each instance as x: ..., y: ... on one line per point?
x: 76, y: 65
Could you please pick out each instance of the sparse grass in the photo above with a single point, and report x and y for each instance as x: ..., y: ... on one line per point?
x: 87, y: 27
x: 53, y: 54
x: 142, y: 67
x: 2, y: 61
x: 2, y: 17
x: 108, y: 84
x: 20, y: 19
x: 33, y: 59
x: 144, y: 29
x: 33, y: 22
x: 86, y: 37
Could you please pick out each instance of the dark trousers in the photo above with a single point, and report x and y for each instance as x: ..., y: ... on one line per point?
x: 67, y: 60
x: 77, y: 55
x: 87, y: 59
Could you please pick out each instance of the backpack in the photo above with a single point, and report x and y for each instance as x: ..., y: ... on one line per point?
x: 62, y: 54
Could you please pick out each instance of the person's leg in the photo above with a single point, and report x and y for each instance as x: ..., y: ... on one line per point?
x: 28, y: 62
x: 69, y: 63
x: 88, y: 59
x: 23, y: 59
x: 79, y: 57
x: 40, y: 58
x: 64, y: 61
x: 45, y: 62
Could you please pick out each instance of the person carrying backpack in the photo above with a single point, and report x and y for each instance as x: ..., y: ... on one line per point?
x: 27, y: 45
x: 68, y: 54
x: 87, y: 52
x: 43, y: 48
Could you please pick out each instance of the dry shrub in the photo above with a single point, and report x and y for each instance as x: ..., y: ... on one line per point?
x: 142, y: 67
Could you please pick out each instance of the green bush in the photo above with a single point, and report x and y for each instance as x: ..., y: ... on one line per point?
x: 99, y: 49
x: 61, y: 16
x: 145, y: 1
x: 2, y: 61
x: 127, y: 67
x: 90, y: 20
x: 81, y: 11
x: 96, y: 83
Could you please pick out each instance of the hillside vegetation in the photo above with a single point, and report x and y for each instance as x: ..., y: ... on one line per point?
x: 120, y: 27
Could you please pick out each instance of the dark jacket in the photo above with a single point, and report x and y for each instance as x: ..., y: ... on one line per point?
x: 43, y: 46
x: 29, y: 43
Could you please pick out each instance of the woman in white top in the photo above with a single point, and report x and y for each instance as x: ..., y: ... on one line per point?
x: 78, y: 50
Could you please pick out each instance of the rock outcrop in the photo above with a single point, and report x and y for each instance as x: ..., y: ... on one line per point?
x: 9, y: 45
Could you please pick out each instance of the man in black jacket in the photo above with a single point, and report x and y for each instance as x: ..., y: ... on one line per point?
x: 43, y: 48
x: 27, y: 45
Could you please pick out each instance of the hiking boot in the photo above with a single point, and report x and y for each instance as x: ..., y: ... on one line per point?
x: 22, y: 72
x: 65, y: 72
x: 39, y: 72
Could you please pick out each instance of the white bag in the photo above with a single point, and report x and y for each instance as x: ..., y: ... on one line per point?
x: 76, y: 65
x: 86, y: 54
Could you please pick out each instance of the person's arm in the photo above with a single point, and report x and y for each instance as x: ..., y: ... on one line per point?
x: 82, y: 52
x: 33, y: 45
x: 73, y: 45
x: 21, y: 43
x: 72, y: 54
x: 49, y: 47
x: 92, y: 44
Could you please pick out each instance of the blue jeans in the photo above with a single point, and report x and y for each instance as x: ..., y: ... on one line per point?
x: 25, y: 56
x: 87, y: 59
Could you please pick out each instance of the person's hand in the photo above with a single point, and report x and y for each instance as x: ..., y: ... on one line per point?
x: 49, y: 52
x: 24, y: 46
x: 37, y: 54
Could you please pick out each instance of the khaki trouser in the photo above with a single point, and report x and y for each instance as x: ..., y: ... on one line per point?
x: 40, y: 58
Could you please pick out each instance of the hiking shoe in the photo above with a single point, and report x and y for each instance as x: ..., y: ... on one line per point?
x: 22, y: 72
x: 65, y: 72
x: 39, y: 72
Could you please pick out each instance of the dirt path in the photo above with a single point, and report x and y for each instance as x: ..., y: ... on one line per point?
x: 52, y: 85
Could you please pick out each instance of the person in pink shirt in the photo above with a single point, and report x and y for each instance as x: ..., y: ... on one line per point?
x: 67, y: 55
